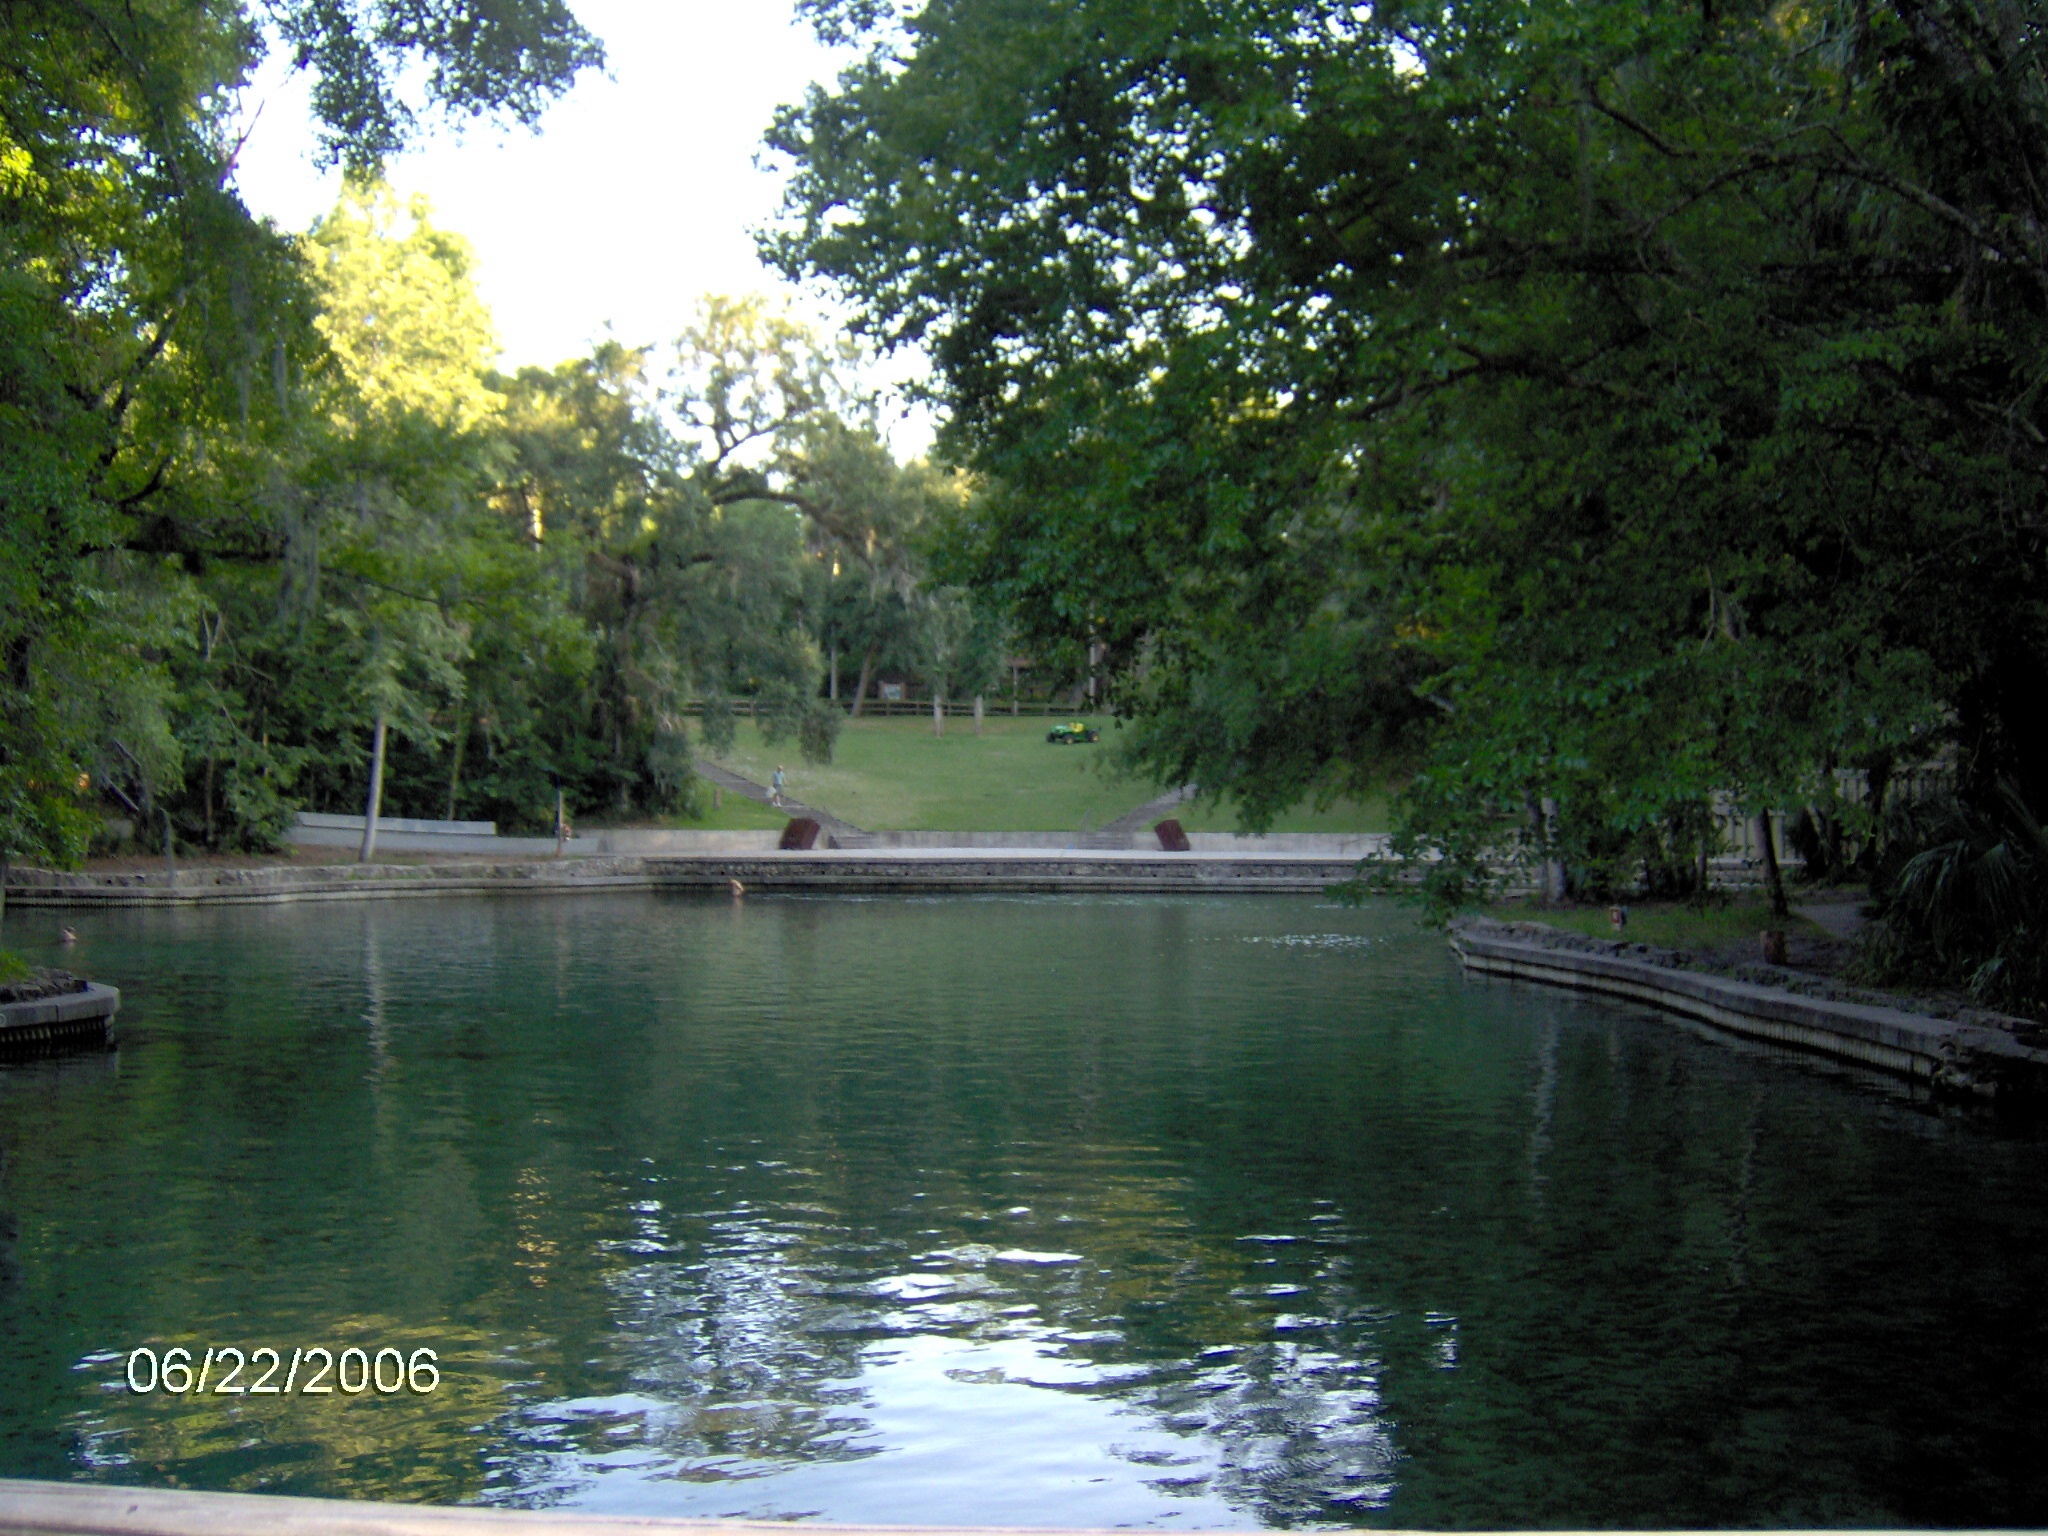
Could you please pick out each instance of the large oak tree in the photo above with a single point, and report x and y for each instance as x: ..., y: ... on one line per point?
x: 1597, y: 407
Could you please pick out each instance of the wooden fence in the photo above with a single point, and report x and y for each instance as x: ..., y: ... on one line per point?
x: 1852, y: 787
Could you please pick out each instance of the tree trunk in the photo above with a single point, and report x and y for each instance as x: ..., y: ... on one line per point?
x: 938, y: 715
x: 455, y: 764
x: 977, y: 714
x: 832, y: 692
x: 1553, y: 866
x: 867, y: 675
x: 1016, y: 703
x: 209, y: 800
x: 5, y: 860
x: 1774, y: 878
x: 376, y: 798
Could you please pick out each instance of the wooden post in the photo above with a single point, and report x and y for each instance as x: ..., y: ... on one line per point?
x: 376, y: 797
x: 938, y: 715
x: 977, y: 714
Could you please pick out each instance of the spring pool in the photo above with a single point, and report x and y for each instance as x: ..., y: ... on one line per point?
x: 1073, y: 1211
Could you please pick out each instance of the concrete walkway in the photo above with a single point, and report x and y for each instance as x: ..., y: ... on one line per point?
x: 1843, y: 919
x: 1121, y: 832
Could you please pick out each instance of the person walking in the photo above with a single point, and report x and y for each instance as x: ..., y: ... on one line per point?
x: 775, y: 787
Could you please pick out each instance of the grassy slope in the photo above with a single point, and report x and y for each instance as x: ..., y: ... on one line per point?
x: 895, y: 775
x: 735, y: 813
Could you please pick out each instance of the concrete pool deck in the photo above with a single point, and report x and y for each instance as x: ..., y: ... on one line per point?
x: 821, y: 870
x: 98, y: 1509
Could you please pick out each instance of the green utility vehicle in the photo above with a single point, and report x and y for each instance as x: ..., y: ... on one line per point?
x: 1072, y: 731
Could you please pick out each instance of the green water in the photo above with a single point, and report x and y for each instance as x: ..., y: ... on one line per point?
x: 1182, y: 1212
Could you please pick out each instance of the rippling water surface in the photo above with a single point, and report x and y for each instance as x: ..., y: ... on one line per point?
x: 1061, y: 1211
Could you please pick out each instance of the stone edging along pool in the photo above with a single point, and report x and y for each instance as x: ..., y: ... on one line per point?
x: 1944, y: 1054
x: 853, y: 870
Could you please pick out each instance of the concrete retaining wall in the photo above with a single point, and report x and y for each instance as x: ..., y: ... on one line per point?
x: 587, y: 845
x: 820, y: 870
x: 1944, y: 1054
x: 69, y: 1018
x: 334, y: 823
x: 653, y: 840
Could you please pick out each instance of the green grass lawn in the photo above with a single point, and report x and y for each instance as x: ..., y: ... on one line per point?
x: 894, y: 775
x: 734, y: 813
x: 1669, y: 925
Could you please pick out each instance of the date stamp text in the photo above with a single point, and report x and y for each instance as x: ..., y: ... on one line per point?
x: 225, y: 1371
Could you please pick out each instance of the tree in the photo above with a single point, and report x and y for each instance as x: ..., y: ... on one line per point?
x: 688, y: 553
x: 1592, y: 409
x: 959, y: 649
x: 140, y: 310
x: 412, y: 427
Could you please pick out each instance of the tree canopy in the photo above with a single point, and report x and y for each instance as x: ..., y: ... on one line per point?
x: 1600, y: 407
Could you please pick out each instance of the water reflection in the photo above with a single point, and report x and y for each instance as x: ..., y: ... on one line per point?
x: 1009, y: 1211
x: 765, y: 1347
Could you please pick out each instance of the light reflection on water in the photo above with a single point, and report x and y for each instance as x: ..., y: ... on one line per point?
x: 777, y: 1363
x: 1005, y: 1211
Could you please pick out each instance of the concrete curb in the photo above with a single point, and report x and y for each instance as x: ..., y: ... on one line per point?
x: 1944, y: 1055
x: 67, y: 1019
x: 961, y: 870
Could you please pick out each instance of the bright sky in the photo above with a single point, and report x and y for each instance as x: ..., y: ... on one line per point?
x: 637, y: 195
